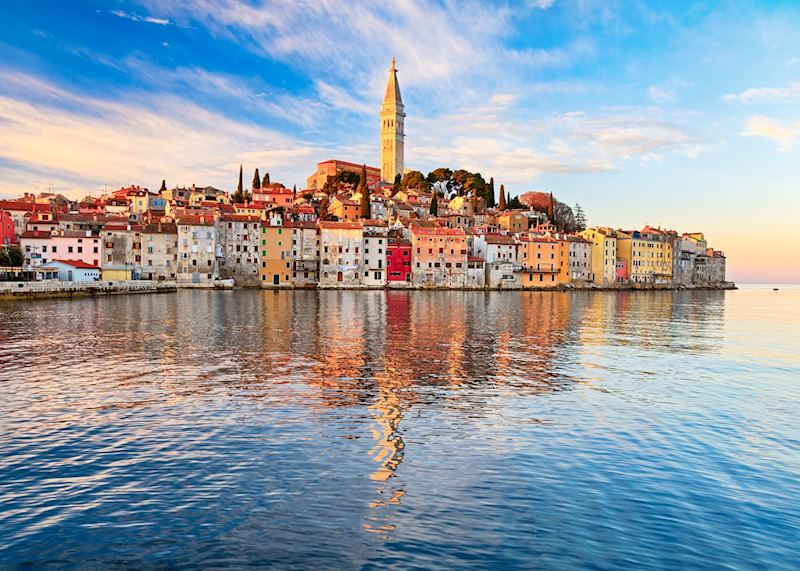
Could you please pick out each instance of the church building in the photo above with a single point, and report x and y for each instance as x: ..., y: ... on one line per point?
x: 392, y: 132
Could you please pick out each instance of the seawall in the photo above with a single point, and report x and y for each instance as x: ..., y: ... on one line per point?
x: 58, y: 289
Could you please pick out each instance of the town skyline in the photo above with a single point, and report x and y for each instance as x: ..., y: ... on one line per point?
x: 170, y: 107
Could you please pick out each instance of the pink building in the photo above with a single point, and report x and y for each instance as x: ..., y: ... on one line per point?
x: 39, y: 247
x: 274, y: 194
x: 621, y: 271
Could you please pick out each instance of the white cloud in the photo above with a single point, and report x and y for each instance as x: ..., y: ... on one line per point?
x: 786, y: 135
x: 661, y: 94
x: 80, y: 142
x: 138, y: 18
x: 766, y: 95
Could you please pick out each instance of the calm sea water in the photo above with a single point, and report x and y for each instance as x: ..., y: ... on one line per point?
x: 359, y: 430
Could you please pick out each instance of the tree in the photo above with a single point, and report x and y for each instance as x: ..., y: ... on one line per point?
x: 580, y: 218
x: 474, y: 184
x: 415, y: 180
x: 163, y: 186
x: 5, y: 259
x: 238, y: 196
x: 439, y: 175
x: 434, y: 209
x: 490, y: 193
x: 343, y: 181
x: 459, y: 178
x: 256, y: 181
x: 294, y: 193
x: 265, y: 180
x: 563, y: 217
x: 397, y: 183
x: 366, y: 208
x: 513, y: 203
x: 502, y: 202
x: 15, y: 256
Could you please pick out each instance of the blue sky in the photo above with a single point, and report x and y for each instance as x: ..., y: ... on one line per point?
x: 684, y: 114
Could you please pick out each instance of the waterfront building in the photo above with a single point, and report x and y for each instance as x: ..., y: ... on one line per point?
x: 709, y: 269
x: 375, y: 251
x: 647, y: 254
x: 238, y: 237
x: 73, y: 270
x: 276, y: 253
x: 439, y: 256
x: 392, y: 129
x: 341, y: 253
x: 39, y: 247
x: 604, y: 254
x: 159, y: 251
x: 122, y: 248
x: 580, y: 259
x: 541, y: 260
x: 305, y: 253
x: 622, y: 275
x: 476, y: 272
x: 198, y: 249
x: 398, y: 260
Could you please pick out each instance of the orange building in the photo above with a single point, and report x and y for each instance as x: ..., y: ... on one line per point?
x: 330, y: 168
x: 275, y: 253
x: 545, y: 263
x: 344, y: 209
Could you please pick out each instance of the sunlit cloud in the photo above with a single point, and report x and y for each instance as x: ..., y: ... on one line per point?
x: 787, y: 94
x: 786, y: 134
x: 81, y: 143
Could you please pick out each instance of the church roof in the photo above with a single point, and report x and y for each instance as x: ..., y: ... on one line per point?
x: 392, y: 87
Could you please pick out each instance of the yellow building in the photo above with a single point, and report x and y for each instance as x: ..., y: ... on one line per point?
x: 275, y: 253
x: 647, y: 255
x: 604, y: 254
x: 545, y: 261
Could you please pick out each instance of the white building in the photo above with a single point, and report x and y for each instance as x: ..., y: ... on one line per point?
x: 73, y: 270
x: 376, y: 241
x: 341, y: 254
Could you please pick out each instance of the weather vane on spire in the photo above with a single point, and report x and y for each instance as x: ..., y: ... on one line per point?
x: 393, y: 68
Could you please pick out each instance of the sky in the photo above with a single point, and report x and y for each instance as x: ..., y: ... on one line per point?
x: 671, y: 113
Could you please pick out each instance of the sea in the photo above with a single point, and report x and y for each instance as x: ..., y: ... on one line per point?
x: 402, y: 429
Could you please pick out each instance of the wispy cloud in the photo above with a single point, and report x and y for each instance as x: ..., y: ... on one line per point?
x: 81, y: 142
x: 138, y: 18
x: 787, y: 94
x: 785, y: 134
x: 661, y: 94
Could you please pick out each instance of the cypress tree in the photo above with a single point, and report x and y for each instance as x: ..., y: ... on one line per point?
x: 265, y: 180
x: 434, y: 210
x: 490, y: 195
x: 256, y: 181
x: 366, y: 207
x: 163, y: 185
x: 294, y: 192
x: 502, y: 203
x: 238, y: 196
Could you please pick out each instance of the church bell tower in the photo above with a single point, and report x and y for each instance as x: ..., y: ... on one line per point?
x: 392, y: 131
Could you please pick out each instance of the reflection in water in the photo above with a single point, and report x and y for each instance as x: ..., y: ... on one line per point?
x: 419, y: 429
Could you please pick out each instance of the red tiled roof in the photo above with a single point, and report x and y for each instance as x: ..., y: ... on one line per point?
x: 340, y: 225
x: 77, y: 264
x: 35, y: 234
x: 503, y: 239
x: 193, y: 220
x: 225, y: 217
x: 338, y: 162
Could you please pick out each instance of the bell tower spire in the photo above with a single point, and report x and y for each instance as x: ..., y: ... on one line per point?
x: 392, y: 129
